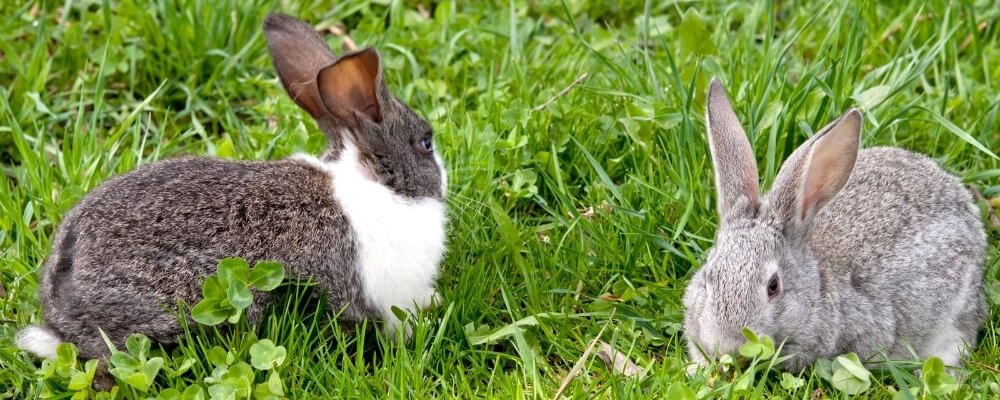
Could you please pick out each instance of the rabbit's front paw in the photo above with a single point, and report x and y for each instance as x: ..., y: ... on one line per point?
x: 799, y: 361
x: 697, y: 363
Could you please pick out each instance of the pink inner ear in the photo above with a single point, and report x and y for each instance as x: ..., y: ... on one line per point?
x: 828, y: 169
x: 809, y: 195
x: 372, y: 111
x: 350, y: 85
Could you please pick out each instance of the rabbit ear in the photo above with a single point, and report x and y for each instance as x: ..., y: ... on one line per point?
x: 732, y: 156
x: 820, y: 168
x: 353, y: 86
x: 298, y: 54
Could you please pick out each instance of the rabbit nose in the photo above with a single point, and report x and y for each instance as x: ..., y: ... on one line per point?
x: 716, y: 342
x: 720, y: 345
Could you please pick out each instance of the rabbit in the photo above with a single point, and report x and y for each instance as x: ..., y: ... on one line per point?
x: 874, y: 251
x: 365, y: 221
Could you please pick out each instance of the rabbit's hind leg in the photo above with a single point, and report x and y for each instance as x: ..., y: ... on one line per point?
x: 957, y: 339
x: 945, y: 343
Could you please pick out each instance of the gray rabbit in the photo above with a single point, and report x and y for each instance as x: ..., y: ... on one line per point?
x: 365, y: 222
x: 877, y: 250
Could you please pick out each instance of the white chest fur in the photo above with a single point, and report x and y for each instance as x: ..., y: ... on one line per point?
x: 400, y: 240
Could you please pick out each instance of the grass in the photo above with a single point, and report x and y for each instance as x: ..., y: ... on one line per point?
x: 581, y: 195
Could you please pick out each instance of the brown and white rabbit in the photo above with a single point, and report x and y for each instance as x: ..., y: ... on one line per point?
x: 365, y: 222
x: 877, y: 250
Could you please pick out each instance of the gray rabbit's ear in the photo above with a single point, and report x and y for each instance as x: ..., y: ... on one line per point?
x: 820, y: 168
x: 732, y: 156
x: 298, y: 54
x: 352, y: 86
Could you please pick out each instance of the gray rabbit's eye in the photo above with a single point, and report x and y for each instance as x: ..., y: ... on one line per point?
x: 773, y: 286
x: 427, y: 143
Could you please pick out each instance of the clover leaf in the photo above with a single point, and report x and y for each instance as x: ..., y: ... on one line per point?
x: 134, y: 367
x: 227, y: 294
x: 936, y: 380
x: 791, y: 382
x: 264, y: 355
x: 849, y: 375
x: 761, y: 347
x: 266, y: 276
x: 233, y: 269
x: 270, y: 390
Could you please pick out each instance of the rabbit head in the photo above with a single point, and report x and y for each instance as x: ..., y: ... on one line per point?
x: 760, y: 273
x: 349, y: 100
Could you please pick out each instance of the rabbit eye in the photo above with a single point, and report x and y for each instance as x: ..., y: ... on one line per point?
x: 773, y: 286
x: 427, y: 144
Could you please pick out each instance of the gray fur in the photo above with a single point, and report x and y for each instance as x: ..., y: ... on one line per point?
x: 893, y: 259
x: 131, y: 249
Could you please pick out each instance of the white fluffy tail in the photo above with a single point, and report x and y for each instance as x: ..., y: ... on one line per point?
x: 38, y: 340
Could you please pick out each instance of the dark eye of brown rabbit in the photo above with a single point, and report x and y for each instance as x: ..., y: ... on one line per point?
x: 773, y: 286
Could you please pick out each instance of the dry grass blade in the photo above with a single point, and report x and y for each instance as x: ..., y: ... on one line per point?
x: 618, y: 362
x: 987, y: 367
x: 968, y: 39
x: 583, y: 358
x: 334, y: 30
x: 562, y: 92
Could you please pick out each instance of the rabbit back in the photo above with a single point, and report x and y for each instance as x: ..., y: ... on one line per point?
x: 902, y: 247
x: 134, y: 247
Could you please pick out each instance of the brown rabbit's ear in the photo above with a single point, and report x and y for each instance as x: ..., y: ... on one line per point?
x: 352, y: 85
x: 732, y: 156
x: 298, y: 53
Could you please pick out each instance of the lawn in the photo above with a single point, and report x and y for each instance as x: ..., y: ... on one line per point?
x: 580, y: 196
